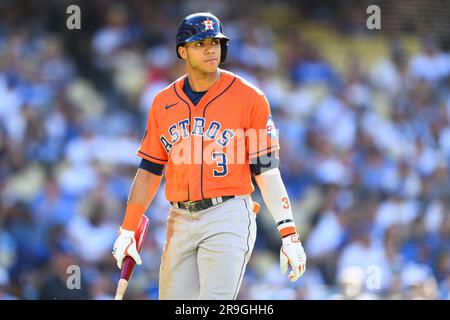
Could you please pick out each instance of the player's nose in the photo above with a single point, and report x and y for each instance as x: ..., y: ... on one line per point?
x: 210, y: 47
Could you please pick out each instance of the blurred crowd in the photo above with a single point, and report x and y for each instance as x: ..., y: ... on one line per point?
x: 365, y: 148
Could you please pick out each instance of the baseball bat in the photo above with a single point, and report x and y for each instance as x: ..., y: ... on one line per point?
x: 128, y: 263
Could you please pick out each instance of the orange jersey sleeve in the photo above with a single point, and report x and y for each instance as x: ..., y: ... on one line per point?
x: 261, y: 135
x: 151, y: 148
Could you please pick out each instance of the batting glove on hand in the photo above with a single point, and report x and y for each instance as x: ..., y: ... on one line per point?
x: 293, y: 255
x: 125, y: 245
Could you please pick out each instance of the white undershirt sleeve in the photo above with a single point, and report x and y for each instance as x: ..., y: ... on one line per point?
x: 277, y: 200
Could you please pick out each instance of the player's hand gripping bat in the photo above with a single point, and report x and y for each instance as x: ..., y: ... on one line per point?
x: 128, y: 263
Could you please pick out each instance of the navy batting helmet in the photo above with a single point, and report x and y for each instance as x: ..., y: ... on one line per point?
x: 201, y: 26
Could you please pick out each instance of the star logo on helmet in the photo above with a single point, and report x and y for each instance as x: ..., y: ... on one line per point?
x: 209, y: 24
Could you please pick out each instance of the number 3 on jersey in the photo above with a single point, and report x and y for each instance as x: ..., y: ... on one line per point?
x: 222, y: 164
x: 285, y: 201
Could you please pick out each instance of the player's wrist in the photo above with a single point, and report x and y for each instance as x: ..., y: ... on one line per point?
x: 286, y: 228
x: 133, y: 215
x: 125, y: 232
x: 290, y: 239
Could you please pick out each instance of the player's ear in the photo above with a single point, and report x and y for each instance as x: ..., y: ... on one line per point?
x: 182, y: 52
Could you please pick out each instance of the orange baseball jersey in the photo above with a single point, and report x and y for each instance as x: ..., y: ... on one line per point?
x: 206, y: 148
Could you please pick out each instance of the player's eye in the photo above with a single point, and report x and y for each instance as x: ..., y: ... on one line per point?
x: 215, y: 42
x: 199, y: 44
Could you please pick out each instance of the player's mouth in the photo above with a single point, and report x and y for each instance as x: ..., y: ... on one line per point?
x: 211, y: 60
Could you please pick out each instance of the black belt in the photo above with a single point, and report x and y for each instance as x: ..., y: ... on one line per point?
x: 194, y: 206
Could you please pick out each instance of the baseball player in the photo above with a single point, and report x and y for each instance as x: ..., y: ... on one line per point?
x: 209, y: 132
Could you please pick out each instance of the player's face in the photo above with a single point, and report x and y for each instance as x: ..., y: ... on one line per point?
x: 203, y: 56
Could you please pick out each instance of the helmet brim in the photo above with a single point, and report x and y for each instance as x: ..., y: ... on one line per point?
x: 223, y: 39
x: 204, y: 36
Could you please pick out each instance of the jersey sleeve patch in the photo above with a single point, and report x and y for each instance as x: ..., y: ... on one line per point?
x: 270, y: 128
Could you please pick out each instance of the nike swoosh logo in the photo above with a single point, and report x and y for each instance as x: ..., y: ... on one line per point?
x: 168, y: 106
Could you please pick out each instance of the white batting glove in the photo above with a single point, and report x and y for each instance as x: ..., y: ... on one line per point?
x: 293, y: 255
x: 125, y: 245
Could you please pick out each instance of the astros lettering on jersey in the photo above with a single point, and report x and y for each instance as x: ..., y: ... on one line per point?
x: 216, y: 138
